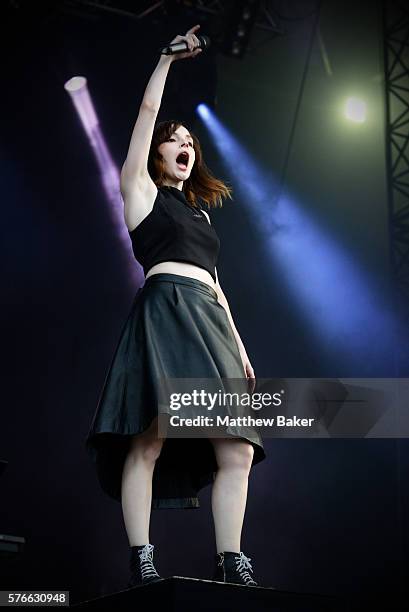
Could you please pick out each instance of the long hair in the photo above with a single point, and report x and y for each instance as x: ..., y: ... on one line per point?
x: 201, y: 182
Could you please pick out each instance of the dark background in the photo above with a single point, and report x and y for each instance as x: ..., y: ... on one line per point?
x: 328, y: 516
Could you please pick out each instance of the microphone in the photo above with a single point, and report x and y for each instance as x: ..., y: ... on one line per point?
x: 182, y: 46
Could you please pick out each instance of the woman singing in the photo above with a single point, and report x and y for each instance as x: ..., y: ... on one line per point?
x: 180, y: 326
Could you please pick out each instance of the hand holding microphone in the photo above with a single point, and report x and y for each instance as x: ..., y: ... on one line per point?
x: 187, y: 46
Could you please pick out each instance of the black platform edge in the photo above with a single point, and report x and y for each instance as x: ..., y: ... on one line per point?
x: 181, y: 592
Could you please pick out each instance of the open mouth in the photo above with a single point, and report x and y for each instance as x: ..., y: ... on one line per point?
x: 182, y: 160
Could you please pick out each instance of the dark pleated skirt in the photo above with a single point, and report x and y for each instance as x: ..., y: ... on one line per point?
x: 176, y: 328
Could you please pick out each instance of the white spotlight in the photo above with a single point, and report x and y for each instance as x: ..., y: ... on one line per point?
x: 76, y: 83
x: 355, y: 110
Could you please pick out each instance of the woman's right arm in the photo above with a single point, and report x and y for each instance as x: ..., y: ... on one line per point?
x: 134, y: 173
x: 135, y: 167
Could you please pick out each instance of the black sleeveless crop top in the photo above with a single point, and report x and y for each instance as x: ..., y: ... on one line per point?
x: 174, y: 230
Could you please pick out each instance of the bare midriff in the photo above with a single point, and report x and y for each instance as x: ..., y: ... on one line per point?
x: 184, y: 269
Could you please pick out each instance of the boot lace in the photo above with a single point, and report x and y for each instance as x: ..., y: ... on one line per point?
x: 146, y: 558
x: 242, y: 565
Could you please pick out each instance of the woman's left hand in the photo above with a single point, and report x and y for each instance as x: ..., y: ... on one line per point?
x: 248, y: 369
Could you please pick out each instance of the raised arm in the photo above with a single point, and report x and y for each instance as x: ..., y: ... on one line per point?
x: 135, y: 169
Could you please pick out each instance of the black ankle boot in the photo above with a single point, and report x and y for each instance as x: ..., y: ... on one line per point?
x: 234, y: 567
x: 141, y: 565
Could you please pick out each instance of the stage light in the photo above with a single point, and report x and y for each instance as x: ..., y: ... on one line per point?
x: 81, y: 99
x: 236, y: 26
x: 78, y: 91
x: 203, y: 111
x: 355, y: 110
x: 75, y: 84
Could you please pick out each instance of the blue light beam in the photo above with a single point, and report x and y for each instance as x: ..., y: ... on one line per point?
x: 331, y: 289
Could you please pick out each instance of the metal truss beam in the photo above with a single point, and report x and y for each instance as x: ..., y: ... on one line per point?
x: 267, y: 21
x: 396, y: 58
x: 395, y: 17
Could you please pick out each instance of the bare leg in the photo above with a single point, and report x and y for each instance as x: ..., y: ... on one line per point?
x: 136, y: 489
x: 229, y: 494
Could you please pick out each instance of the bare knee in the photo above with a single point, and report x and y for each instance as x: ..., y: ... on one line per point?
x: 146, y: 447
x: 233, y: 454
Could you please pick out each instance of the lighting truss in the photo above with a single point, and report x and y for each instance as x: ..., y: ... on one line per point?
x: 396, y: 63
x: 267, y: 21
x: 396, y: 66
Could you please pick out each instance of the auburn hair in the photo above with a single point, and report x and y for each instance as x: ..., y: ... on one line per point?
x: 201, y: 182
